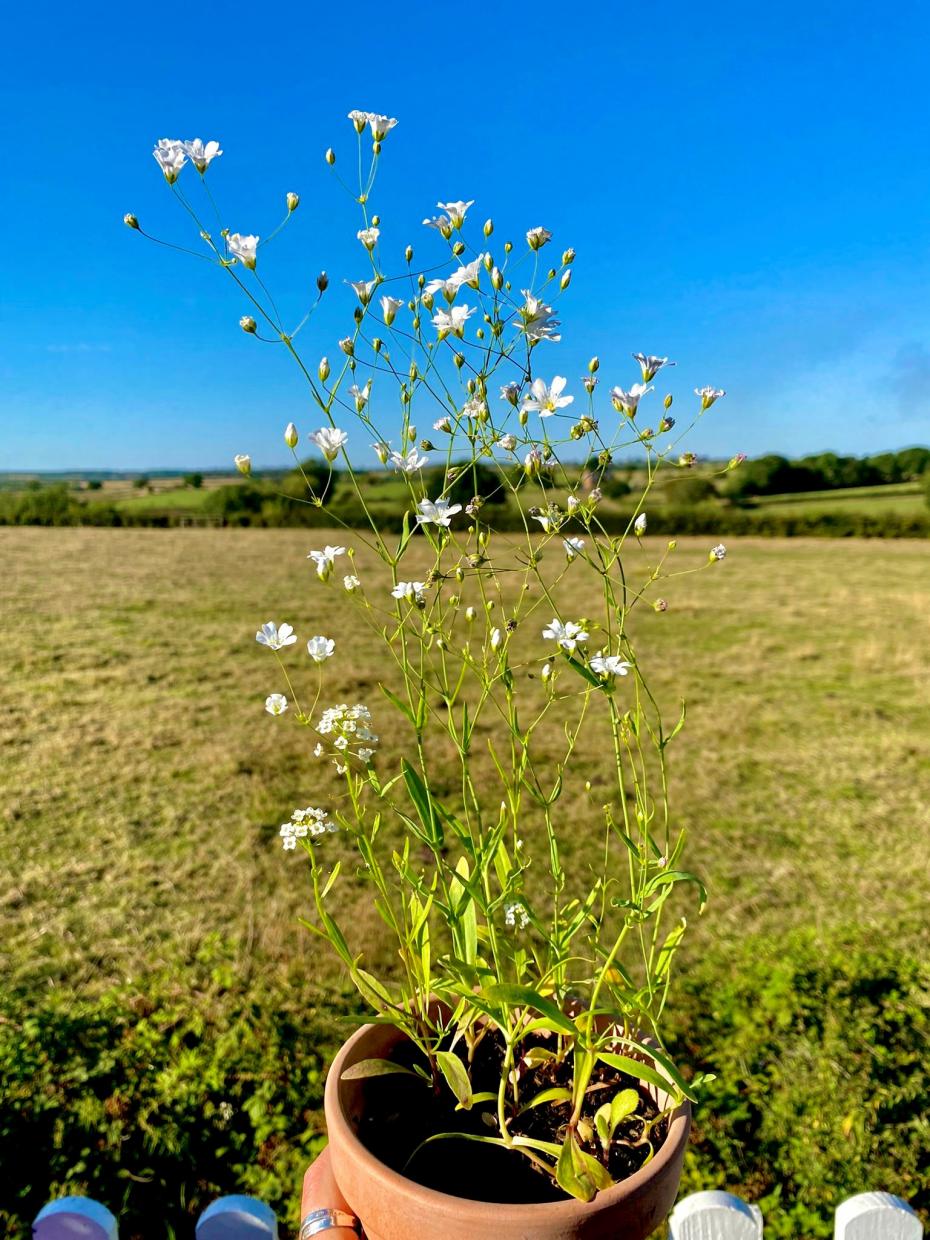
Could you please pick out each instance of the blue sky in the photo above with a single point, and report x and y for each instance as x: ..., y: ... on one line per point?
x: 747, y: 188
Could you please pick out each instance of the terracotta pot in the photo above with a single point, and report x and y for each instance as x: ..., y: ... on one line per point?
x: 391, y: 1207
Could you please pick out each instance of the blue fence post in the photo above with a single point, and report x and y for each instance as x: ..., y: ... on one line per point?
x: 237, y: 1218
x: 75, y: 1218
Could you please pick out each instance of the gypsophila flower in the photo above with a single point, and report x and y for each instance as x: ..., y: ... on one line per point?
x: 381, y: 126
x: 536, y: 238
x: 719, y: 552
x: 201, y: 155
x: 475, y: 408
x: 468, y: 274
x: 351, y: 582
x: 516, y: 917
x: 537, y: 319
x: 590, y: 383
x: 410, y: 590
x: 171, y: 157
x: 359, y: 119
x: 290, y: 435
x: 572, y: 547
x: 243, y: 462
x: 442, y: 424
x: 532, y: 463
x: 708, y: 395
x: 441, y: 223
x: 320, y: 648
x: 508, y: 442
x: 546, y: 672
x: 244, y: 247
x: 610, y: 665
x: 330, y: 440
x: 410, y: 462
x: 325, y: 560
x: 369, y: 237
x: 452, y: 320
x: 382, y: 451
x: 389, y: 308
x: 439, y: 512
x: 455, y: 211
x: 628, y: 402
x: 360, y: 396
x: 496, y: 638
x: 639, y: 525
x: 569, y: 636
x: 649, y: 365
x: 547, y: 399
x: 511, y: 393
x: 275, y: 638
x: 276, y: 703
x: 310, y: 822
x: 363, y: 289
x: 347, y: 726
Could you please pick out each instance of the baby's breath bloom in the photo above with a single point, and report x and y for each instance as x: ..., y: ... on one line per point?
x: 467, y: 274
x: 276, y: 703
x: 369, y: 237
x: 610, y: 665
x: 572, y: 547
x: 351, y: 582
x: 243, y: 463
x: 348, y: 728
x: 290, y: 435
x: 442, y: 424
x: 496, y: 638
x: 456, y: 211
x: 409, y: 462
x: 719, y: 552
x: 320, y: 648
x: 516, y: 917
x: 568, y: 635
x: 639, y: 525
x: 248, y: 324
x: 708, y: 395
x: 389, y: 308
x: 275, y: 637
x: 381, y: 126
x: 441, y: 223
x: 382, y: 451
x: 359, y: 119
x: 360, y: 395
x: 201, y: 154
x: 329, y: 439
x: 547, y: 399
x: 511, y: 393
x: 476, y: 407
x: 532, y: 463
x: 410, y: 590
x: 303, y: 823
x: 628, y: 402
x: 536, y: 238
x: 325, y: 560
x: 508, y: 442
x: 452, y: 320
x: 537, y: 319
x: 363, y: 289
x: 546, y: 672
x: 244, y: 246
x: 171, y: 157
x: 649, y: 365
x: 439, y: 512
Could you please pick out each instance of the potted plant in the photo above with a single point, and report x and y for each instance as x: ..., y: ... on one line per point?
x: 513, y: 1081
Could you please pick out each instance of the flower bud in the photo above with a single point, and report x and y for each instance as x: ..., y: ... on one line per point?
x: 566, y: 280
x: 508, y: 246
x: 524, y: 417
x: 497, y: 279
x: 568, y: 257
x: 377, y: 344
x: 247, y: 323
x: 130, y: 220
x: 290, y: 435
x: 322, y: 281
x: 460, y: 577
x: 668, y: 401
x: 546, y: 672
x: 672, y: 544
x: 347, y: 346
x: 508, y: 442
x: 660, y: 605
x: 427, y: 445
x: 408, y: 254
x: 323, y: 369
x: 469, y: 612
x: 330, y: 156
x: 243, y: 463
x: 382, y: 451
x: 293, y: 202
x: 488, y: 227
x: 459, y: 360
x: 488, y: 261
x: 736, y: 460
x: 666, y: 424
x: 458, y: 248
x: 411, y: 433
x: 594, y: 365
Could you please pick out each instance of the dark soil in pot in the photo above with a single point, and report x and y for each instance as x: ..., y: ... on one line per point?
x: 402, y: 1112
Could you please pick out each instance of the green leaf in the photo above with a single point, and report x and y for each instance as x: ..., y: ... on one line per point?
x: 420, y: 796
x: 456, y: 1077
x: 332, y: 878
x: 554, y: 1095
x: 537, y: 1055
x: 635, y: 1068
x: 525, y: 996
x: 676, y: 876
x: 622, y: 1105
x: 366, y: 1068
x: 397, y: 703
x: 592, y: 679
x: 465, y: 913
x: 578, y: 1173
x: 602, y: 1125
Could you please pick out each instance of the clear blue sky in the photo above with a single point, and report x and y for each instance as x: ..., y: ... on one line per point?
x: 747, y: 187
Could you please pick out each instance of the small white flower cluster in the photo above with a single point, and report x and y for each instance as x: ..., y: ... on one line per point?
x: 516, y: 917
x: 305, y: 822
x: 172, y: 154
x: 348, y: 727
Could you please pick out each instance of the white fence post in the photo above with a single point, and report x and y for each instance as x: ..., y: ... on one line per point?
x: 237, y: 1218
x: 715, y: 1216
x: 74, y: 1218
x: 876, y: 1216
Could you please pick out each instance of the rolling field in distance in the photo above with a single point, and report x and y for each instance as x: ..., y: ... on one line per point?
x: 144, y: 785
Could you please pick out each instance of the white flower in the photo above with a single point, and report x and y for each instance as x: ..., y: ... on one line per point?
x: 171, y: 157
x: 363, y: 289
x: 508, y: 442
x: 389, y: 308
x: 708, y: 395
x: 381, y: 126
x: 366, y: 755
x: 572, y: 547
x: 361, y: 396
x: 442, y: 424
x: 325, y: 560
x: 358, y: 119
x: 649, y: 365
x: 456, y: 211
x: 537, y: 237
x: 452, y: 320
x: 537, y: 319
x: 441, y: 223
x: 409, y: 463
x: 275, y: 638
x: 411, y: 590
x: 516, y: 917
x: 382, y: 451
x: 511, y: 393
x: 276, y: 704
x: 329, y: 439
x: 567, y: 635
x: 448, y: 288
x: 496, y: 638
x: 439, y: 513
x: 369, y: 237
x: 533, y: 463
x: 351, y: 582
x: 243, y: 462
x: 467, y: 274
x: 547, y: 399
x: 469, y: 614
x: 610, y: 665
x: 639, y: 525
x: 201, y: 155
x: 320, y: 648
x: 546, y: 672
x: 719, y: 552
x: 243, y: 247
x: 628, y: 402
x: 474, y: 408
x: 290, y: 435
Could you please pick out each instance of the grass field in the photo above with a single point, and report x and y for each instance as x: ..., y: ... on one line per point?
x: 144, y: 785
x: 903, y: 497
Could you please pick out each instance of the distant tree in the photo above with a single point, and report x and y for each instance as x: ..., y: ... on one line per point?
x: 94, y: 484
x: 914, y: 462
x: 888, y: 467
x: 687, y: 490
x: 194, y: 480
x: 141, y: 482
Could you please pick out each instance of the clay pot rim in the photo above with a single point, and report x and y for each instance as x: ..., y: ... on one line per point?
x: 466, y: 1208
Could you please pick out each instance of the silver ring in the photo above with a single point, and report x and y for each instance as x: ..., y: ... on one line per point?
x: 324, y: 1220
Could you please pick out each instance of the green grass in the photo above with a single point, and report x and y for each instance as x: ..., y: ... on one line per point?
x: 149, y: 917
x: 173, y: 499
x: 904, y: 497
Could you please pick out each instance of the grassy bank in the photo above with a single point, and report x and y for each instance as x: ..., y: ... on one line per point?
x: 165, y: 1022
